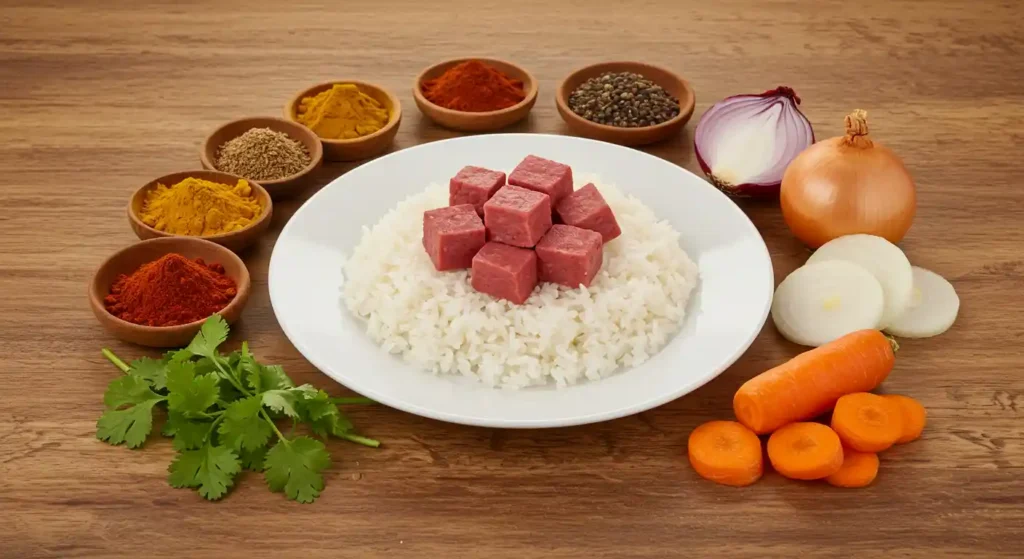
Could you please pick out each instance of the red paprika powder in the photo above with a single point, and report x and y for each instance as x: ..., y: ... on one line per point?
x: 169, y: 291
x: 474, y: 87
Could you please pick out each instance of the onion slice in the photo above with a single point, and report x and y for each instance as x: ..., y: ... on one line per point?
x: 880, y: 257
x: 745, y: 142
x: 822, y: 302
x: 933, y: 307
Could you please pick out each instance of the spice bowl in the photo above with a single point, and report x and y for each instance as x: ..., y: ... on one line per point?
x: 129, y: 259
x: 476, y: 121
x: 234, y: 240
x: 363, y: 147
x: 208, y: 155
x: 669, y: 81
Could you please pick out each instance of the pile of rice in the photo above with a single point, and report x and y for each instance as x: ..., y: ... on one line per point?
x: 437, y: 321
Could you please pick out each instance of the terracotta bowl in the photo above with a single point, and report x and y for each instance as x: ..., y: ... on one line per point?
x: 357, y: 148
x: 127, y: 260
x: 476, y: 122
x: 231, y: 130
x: 235, y: 240
x: 671, y: 82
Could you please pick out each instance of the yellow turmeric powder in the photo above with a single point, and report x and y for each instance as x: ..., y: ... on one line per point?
x: 200, y: 207
x: 342, y: 113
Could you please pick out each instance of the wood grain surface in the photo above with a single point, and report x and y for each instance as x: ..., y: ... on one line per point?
x: 98, y: 97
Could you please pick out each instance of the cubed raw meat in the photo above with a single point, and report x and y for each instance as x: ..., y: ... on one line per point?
x: 505, y: 272
x: 474, y: 185
x: 452, y: 236
x: 517, y: 216
x: 543, y: 175
x: 569, y: 256
x: 587, y: 209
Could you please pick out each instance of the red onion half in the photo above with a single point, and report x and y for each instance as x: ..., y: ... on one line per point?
x: 745, y: 142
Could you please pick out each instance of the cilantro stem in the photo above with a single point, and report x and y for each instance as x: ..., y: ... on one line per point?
x: 365, y: 441
x: 273, y: 426
x: 356, y: 401
x: 225, y: 374
x: 115, y: 360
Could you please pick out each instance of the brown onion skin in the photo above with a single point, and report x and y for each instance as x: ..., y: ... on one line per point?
x: 833, y: 189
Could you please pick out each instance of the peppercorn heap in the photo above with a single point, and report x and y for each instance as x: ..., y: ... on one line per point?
x: 623, y: 99
x: 262, y: 154
x: 473, y: 87
x: 342, y: 112
x: 169, y: 291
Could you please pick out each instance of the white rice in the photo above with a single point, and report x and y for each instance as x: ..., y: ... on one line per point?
x: 438, y: 322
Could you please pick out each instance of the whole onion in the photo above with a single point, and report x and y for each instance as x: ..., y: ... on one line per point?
x: 744, y: 142
x: 848, y: 185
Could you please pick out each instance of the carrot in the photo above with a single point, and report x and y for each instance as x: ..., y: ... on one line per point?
x: 805, y: 451
x: 867, y: 422
x: 858, y: 470
x: 914, y: 416
x: 726, y: 452
x: 810, y: 383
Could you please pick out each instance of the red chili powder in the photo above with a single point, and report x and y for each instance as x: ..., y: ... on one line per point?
x: 475, y: 87
x: 169, y: 291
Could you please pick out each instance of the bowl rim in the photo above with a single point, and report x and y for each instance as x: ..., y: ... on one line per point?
x: 531, y: 91
x: 686, y: 106
x: 264, y: 195
x: 241, y: 294
x: 394, y: 117
x: 315, y: 159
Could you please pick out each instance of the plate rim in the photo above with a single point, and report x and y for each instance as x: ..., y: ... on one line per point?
x: 597, y: 417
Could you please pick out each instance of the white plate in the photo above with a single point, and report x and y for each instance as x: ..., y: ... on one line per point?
x: 725, y: 313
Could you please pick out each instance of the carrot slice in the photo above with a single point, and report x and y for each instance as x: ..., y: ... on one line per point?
x: 914, y: 416
x: 867, y: 422
x: 726, y: 452
x: 810, y: 383
x: 805, y: 451
x: 859, y: 469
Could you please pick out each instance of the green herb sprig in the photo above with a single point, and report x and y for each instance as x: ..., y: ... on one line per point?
x: 221, y: 412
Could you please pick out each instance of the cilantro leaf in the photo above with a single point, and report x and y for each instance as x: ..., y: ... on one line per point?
x: 188, y: 433
x: 294, y: 467
x: 153, y: 371
x: 252, y: 460
x: 242, y: 427
x: 130, y: 426
x: 322, y: 415
x: 280, y: 401
x: 213, y: 333
x: 189, y: 393
x: 210, y: 468
x: 128, y: 390
x: 261, y: 378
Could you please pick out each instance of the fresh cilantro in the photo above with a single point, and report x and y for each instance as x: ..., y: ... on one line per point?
x: 189, y: 393
x: 242, y: 427
x: 210, y: 468
x: 322, y: 415
x: 130, y: 426
x: 128, y: 390
x: 220, y: 413
x: 153, y: 371
x: 210, y: 336
x: 294, y: 467
x: 188, y: 433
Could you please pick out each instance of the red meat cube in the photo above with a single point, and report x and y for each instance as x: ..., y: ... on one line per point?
x: 452, y: 236
x: 569, y: 256
x: 505, y: 272
x: 517, y: 216
x: 474, y: 185
x: 543, y: 175
x: 587, y: 209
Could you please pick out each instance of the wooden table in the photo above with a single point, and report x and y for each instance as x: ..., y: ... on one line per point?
x: 96, y: 100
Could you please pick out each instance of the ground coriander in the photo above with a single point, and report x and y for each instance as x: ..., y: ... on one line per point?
x: 262, y: 154
x: 624, y: 99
